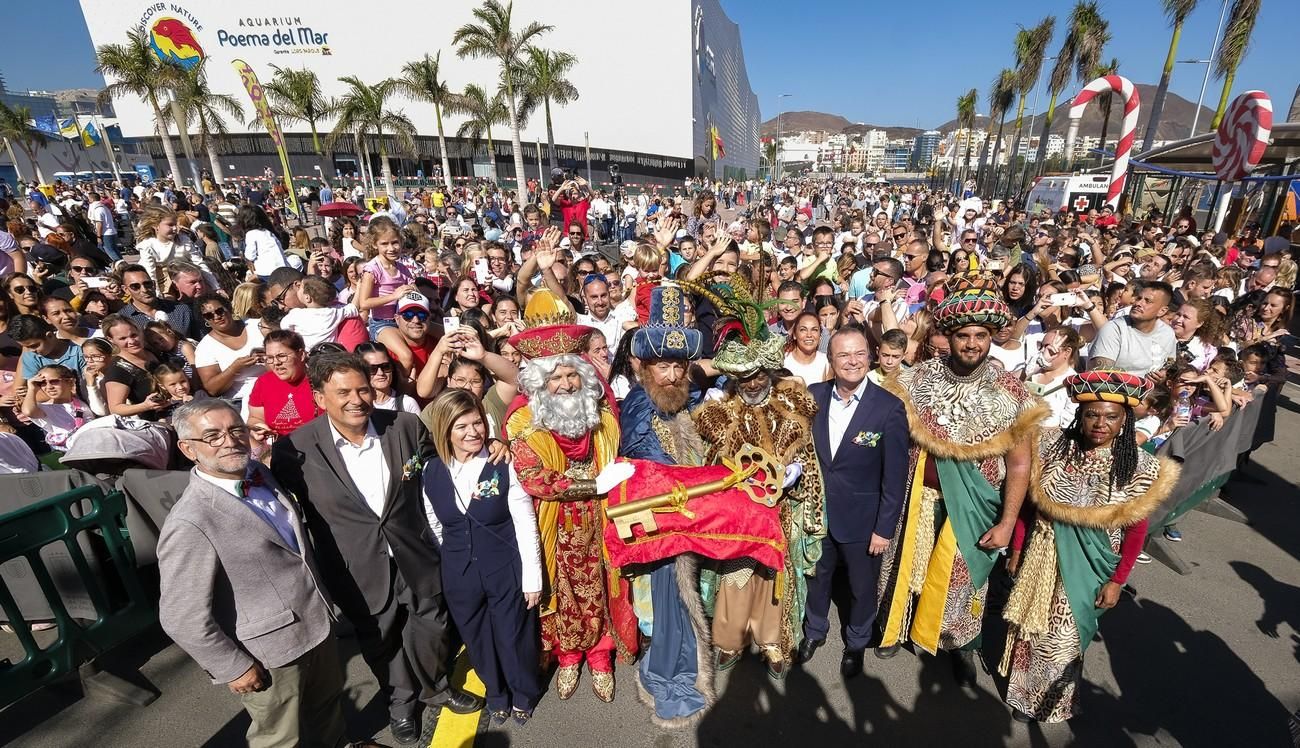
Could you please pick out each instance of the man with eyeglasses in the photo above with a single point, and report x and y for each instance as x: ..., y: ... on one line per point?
x: 241, y: 592
x: 915, y: 253
x: 146, y: 305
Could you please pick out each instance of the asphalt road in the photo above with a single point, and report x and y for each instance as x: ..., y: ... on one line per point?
x: 1206, y: 659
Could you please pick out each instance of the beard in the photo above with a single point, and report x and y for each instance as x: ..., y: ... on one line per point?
x: 754, y: 399
x: 668, y: 398
x: 571, y: 416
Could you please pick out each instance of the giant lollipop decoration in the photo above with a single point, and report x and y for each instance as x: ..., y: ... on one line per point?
x: 1132, y: 103
x: 1243, y: 135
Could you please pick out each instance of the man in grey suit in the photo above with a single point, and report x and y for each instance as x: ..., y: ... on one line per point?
x: 240, y: 589
x: 356, y: 471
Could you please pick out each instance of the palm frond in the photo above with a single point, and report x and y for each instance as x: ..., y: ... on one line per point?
x: 1236, y: 36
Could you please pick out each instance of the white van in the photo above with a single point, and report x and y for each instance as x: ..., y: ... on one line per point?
x: 1078, y: 193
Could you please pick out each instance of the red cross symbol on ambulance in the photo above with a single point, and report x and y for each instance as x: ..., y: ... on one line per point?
x: 1080, y: 203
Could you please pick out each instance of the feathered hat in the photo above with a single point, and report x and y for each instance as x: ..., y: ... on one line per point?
x: 549, y: 328
x: 663, y: 332
x: 744, y: 343
x: 1108, y: 385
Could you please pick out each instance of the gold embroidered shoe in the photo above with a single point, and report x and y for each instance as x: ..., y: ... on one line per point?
x: 602, y: 684
x: 566, y: 680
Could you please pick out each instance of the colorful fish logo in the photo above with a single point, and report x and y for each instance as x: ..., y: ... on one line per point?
x: 174, y: 42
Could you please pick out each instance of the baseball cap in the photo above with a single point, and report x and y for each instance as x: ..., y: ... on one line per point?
x: 413, y: 300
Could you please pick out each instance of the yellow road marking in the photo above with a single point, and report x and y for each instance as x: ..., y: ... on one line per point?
x: 458, y: 730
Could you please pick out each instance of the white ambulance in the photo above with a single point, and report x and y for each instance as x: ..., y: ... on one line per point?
x: 1078, y: 193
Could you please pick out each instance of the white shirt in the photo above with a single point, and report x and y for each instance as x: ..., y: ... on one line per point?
x: 263, y: 250
x: 99, y: 213
x: 840, y: 412
x: 408, y: 404
x: 464, y: 476
x: 317, y: 325
x: 211, y: 351
x: 366, y: 466
x: 1057, y: 396
x: 611, y: 327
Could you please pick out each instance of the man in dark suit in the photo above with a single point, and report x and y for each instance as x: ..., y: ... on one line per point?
x: 356, y: 471
x: 861, y: 437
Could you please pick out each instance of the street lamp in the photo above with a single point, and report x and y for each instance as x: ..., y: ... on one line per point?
x: 777, y: 176
x: 1214, y: 52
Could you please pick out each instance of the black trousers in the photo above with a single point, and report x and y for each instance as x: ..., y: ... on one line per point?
x: 500, y: 633
x: 408, y: 647
x: 863, y: 574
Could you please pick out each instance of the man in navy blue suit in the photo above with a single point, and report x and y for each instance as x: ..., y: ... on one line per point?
x: 861, y: 436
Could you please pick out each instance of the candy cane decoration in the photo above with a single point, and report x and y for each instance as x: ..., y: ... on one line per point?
x: 1243, y: 135
x: 1125, y: 88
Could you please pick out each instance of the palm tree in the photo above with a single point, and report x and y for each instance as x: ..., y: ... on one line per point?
x: 1031, y: 48
x: 1177, y: 11
x: 1002, y: 94
x: 422, y: 81
x: 1104, y: 101
x: 16, y: 127
x: 1236, y: 40
x: 482, y: 112
x: 362, y: 111
x: 1080, y: 53
x: 205, y: 109
x: 139, y: 73
x: 966, y: 121
x: 295, y: 96
x: 769, y: 154
x: 494, y: 37
x: 543, y: 80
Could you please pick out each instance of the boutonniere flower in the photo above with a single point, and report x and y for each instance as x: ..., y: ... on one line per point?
x: 486, y: 489
x: 867, y: 438
x: 411, y: 468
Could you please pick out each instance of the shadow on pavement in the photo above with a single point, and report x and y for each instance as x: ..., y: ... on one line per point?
x: 1177, y: 680
x: 1281, y: 600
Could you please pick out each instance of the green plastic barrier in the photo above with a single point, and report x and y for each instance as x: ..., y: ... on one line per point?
x: 121, y: 616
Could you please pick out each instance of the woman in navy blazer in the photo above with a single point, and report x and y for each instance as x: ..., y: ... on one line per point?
x: 491, y: 564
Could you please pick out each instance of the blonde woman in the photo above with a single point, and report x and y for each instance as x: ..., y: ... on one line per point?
x: 246, y: 301
x: 163, y: 243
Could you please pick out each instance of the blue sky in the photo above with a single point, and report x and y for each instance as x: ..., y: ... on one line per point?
x: 887, y: 63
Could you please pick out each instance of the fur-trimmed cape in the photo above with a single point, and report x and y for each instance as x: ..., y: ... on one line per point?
x: 1024, y: 427
x: 688, y: 579
x: 1107, y: 516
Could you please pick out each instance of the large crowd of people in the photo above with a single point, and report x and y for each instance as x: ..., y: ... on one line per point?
x: 422, y: 419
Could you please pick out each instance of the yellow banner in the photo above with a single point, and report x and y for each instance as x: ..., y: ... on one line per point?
x: 258, y: 97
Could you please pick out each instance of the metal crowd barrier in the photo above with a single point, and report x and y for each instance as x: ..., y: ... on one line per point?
x: 47, y: 533
x: 1208, y: 459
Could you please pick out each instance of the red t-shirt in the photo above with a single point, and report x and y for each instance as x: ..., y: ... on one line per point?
x: 286, y: 406
x: 352, y: 333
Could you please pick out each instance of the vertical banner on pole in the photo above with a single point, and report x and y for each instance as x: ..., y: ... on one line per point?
x: 258, y: 97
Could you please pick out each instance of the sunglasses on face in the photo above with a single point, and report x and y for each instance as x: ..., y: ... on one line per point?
x: 900, y: 235
x: 80, y: 269
x: 143, y: 284
x: 411, y: 316
x: 47, y: 382
x: 376, y: 369
x: 23, y: 290
x: 212, y: 314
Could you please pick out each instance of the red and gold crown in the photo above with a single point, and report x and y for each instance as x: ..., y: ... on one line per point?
x: 550, y: 329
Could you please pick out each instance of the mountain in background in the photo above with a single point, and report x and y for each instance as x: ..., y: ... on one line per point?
x: 1175, y: 121
x: 792, y: 122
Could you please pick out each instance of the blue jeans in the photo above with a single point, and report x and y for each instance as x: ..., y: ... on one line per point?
x: 110, y: 246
